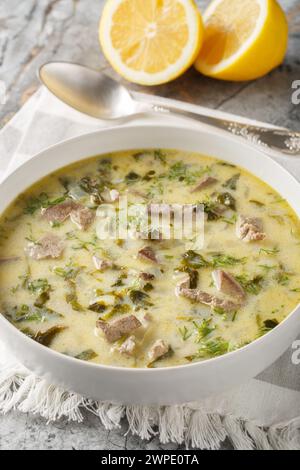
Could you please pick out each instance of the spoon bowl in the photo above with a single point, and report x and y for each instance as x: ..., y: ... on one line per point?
x: 87, y: 90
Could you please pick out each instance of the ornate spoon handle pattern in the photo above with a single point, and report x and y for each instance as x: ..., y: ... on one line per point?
x: 281, y: 140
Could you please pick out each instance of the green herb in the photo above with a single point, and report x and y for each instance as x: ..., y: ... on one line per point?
x: 26, y: 313
x: 139, y: 298
x: 55, y: 224
x: 98, y: 307
x: 87, y: 355
x: 105, y: 164
x: 46, y: 337
x: 203, y: 329
x: 132, y: 177
x: 119, y: 309
x: 297, y: 289
x: 211, y: 209
x: 160, y: 156
x: 227, y: 200
x: 65, y: 182
x: 194, y: 260
x: 21, y: 313
x: 231, y: 183
x: 148, y: 287
x: 119, y: 283
x: 266, y: 251
x: 182, y: 172
x: 230, y: 165
x: 268, y: 325
x: 184, y: 333
x: 88, y: 245
x: 257, y: 203
x: 149, y: 175
x: 38, y: 286
x: 267, y: 267
x: 68, y: 272
x: 91, y: 186
x: 212, y: 348
x: 178, y: 171
x: 282, y: 277
x: 220, y: 311
x: 41, y: 201
x: 41, y: 287
x: 156, y: 189
x: 251, y: 285
x: 220, y: 260
x: 42, y: 299
x: 234, y: 316
x: 138, y: 155
x: 230, y: 221
x: 72, y: 298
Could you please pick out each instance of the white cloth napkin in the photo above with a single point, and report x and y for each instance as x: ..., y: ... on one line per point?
x: 263, y: 413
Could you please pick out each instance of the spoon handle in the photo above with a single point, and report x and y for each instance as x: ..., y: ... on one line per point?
x: 281, y: 140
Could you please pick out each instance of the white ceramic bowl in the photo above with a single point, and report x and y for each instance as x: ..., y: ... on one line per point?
x: 152, y: 386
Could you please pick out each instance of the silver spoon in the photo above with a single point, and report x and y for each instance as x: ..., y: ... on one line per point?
x: 99, y: 96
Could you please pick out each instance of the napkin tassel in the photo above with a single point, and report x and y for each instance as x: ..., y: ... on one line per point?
x: 179, y: 424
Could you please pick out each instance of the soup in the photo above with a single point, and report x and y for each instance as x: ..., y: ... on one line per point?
x: 147, y: 300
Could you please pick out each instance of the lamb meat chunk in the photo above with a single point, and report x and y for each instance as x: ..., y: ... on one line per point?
x: 249, y: 229
x: 49, y: 246
x: 188, y: 281
x: 205, y: 183
x: 128, y: 347
x: 227, y: 284
x: 196, y: 295
x: 223, y: 304
x: 118, y: 328
x: 83, y: 217
x: 60, y: 212
x: 146, y: 276
x: 158, y: 349
x: 147, y: 254
x: 208, y: 299
x: 184, y: 283
x: 102, y: 264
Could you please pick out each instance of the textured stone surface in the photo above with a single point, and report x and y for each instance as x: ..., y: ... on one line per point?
x: 35, y: 31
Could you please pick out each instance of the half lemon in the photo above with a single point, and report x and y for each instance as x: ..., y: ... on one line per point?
x: 151, y: 41
x: 244, y: 39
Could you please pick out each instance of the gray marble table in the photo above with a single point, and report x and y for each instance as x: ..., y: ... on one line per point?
x: 35, y: 31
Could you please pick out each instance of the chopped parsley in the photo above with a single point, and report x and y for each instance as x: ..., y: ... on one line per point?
x: 251, y: 285
x: 231, y: 183
x: 185, y: 333
x: 42, y: 201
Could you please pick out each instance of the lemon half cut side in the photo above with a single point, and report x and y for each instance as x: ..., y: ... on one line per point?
x: 243, y: 40
x: 151, y: 41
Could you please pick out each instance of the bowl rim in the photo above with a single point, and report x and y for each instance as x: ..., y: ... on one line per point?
x: 56, y: 355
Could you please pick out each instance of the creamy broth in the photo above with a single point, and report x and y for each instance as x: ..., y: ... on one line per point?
x: 71, y: 290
